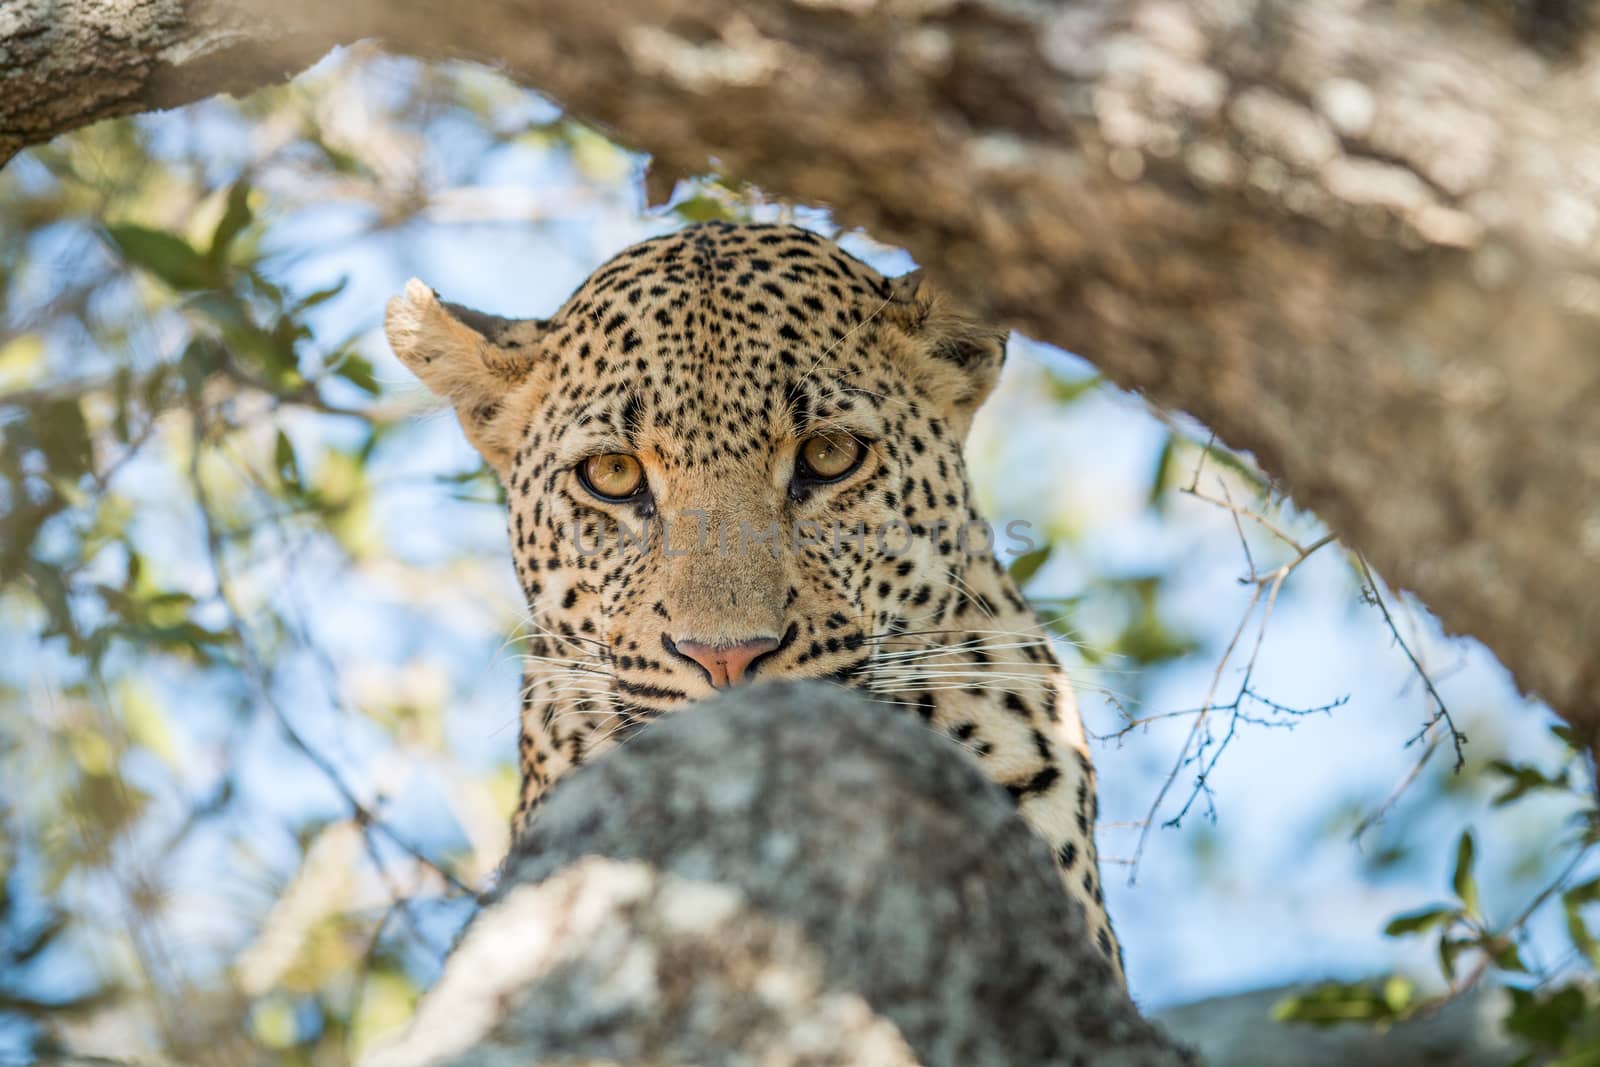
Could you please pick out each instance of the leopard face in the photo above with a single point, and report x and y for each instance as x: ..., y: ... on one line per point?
x: 735, y: 454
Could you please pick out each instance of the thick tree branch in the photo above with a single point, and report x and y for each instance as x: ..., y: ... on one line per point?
x: 1359, y: 239
x: 67, y: 63
x: 785, y: 875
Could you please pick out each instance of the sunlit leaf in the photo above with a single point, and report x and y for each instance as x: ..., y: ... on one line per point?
x: 91, y: 751
x: 146, y: 722
x: 702, y: 209
x: 388, y: 1000
x: 1342, y: 1002
x: 21, y: 360
x: 272, y: 1021
x: 1065, y: 391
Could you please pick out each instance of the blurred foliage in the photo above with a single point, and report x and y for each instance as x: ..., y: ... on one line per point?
x: 236, y: 819
x: 1553, y: 1005
x: 198, y: 456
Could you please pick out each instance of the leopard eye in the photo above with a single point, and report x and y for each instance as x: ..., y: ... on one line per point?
x: 830, y: 456
x: 614, y: 476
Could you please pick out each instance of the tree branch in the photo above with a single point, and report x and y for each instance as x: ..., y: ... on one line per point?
x: 702, y: 895
x: 1357, y: 239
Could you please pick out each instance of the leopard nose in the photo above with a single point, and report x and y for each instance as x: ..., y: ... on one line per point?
x: 725, y: 664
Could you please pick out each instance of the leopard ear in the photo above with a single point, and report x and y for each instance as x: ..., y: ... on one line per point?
x: 954, y: 356
x: 483, y: 364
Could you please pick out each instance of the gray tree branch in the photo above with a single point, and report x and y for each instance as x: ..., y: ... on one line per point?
x: 1359, y: 239
x: 785, y: 875
x: 791, y: 875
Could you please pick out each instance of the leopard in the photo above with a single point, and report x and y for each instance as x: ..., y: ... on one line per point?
x: 736, y: 454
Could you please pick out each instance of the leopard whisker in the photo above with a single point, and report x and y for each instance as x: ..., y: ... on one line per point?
x: 958, y: 649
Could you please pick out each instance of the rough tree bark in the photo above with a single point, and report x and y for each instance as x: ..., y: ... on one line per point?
x: 788, y: 875
x: 1357, y: 238
x: 784, y: 875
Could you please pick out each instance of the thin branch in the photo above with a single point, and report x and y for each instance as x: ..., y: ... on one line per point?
x: 1397, y: 792
x: 1201, y: 747
x: 1458, y: 740
x: 257, y: 676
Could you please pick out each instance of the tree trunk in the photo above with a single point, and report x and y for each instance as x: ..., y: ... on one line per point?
x: 1356, y: 238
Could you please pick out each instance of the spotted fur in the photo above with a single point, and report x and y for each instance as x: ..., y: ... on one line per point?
x: 710, y: 354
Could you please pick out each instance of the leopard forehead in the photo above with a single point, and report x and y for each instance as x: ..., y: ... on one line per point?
x: 711, y: 344
x: 712, y: 355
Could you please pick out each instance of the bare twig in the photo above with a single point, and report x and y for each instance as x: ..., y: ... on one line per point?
x: 1397, y: 792
x: 1458, y: 740
x: 1201, y: 747
x: 256, y: 674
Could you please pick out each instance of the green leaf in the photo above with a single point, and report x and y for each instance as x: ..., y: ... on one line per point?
x: 201, y: 358
x: 1582, y: 939
x: 1572, y: 903
x: 1462, y: 881
x: 1567, y: 735
x: 1398, y: 992
x: 284, y: 460
x: 1421, y: 920
x: 1588, y: 1055
x: 1584, y: 892
x: 1346, y: 1002
x: 1509, y: 959
x: 122, y: 393
x: 1027, y: 565
x: 63, y: 437
x: 1523, y: 780
x: 702, y: 209
x: 235, y: 217
x: 358, y: 372
x: 1163, y: 471
x: 1450, y: 950
x: 1545, y: 1018
x: 321, y: 296
x: 1066, y: 391
x: 155, y: 386
x: 166, y: 255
